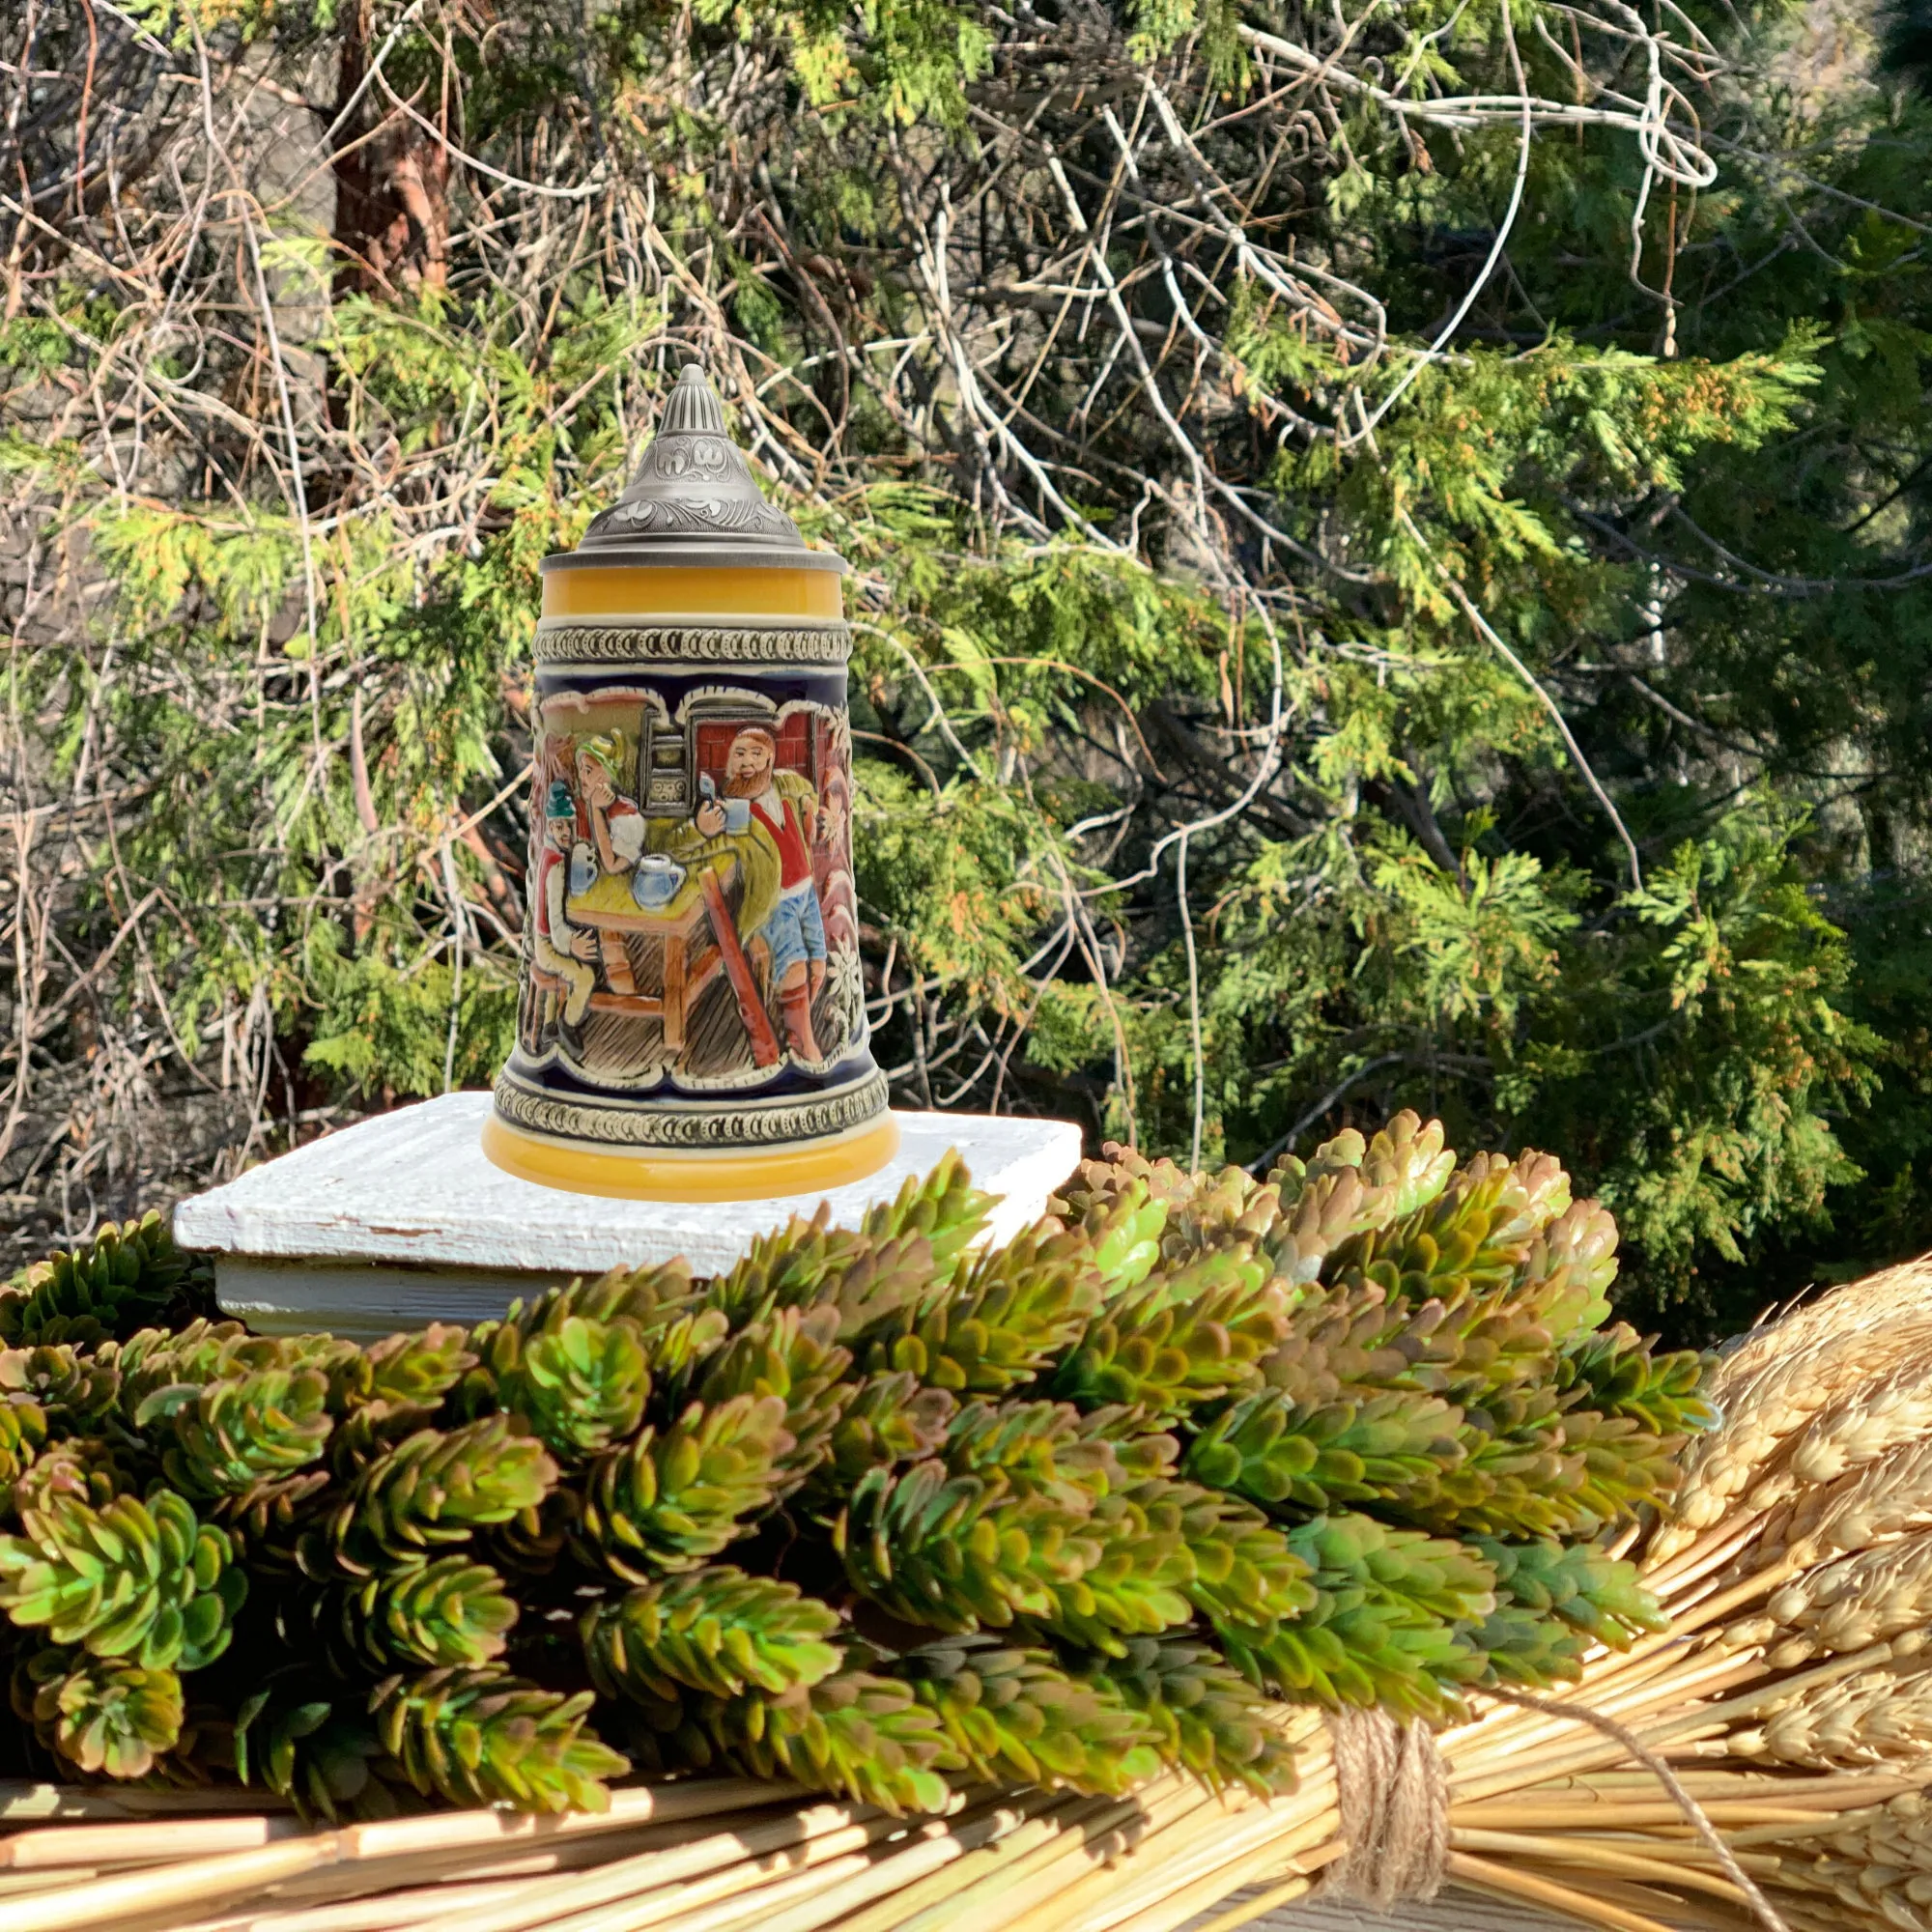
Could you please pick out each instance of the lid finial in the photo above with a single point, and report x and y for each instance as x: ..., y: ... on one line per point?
x: 692, y: 485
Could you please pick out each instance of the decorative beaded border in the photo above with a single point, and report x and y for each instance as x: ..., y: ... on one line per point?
x: 641, y: 643
x: 711, y: 1127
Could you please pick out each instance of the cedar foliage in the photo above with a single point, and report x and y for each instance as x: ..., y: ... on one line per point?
x: 1129, y: 561
x: 870, y: 1511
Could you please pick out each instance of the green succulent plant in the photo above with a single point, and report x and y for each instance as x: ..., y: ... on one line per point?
x: 864, y: 1735
x: 715, y: 1629
x: 1391, y: 1623
x: 1120, y: 1221
x: 960, y: 1552
x: 1388, y: 1446
x: 1056, y: 1450
x: 432, y: 1489
x: 885, y: 1512
x: 74, y: 1390
x: 225, y: 1436
x: 1203, y: 1716
x: 577, y: 1383
x: 306, y: 1738
x: 888, y: 1419
x: 124, y: 1278
x: 416, y: 1370
x: 670, y: 1498
x: 93, y: 1469
x: 793, y: 1354
x: 1008, y: 1315
x: 1014, y: 1715
x: 803, y: 1264
x: 23, y: 1430
x: 140, y: 1581
x: 940, y: 1209
x: 485, y: 1736
x: 451, y: 1610
x: 1554, y: 1600
x: 1184, y: 1337
x: 105, y: 1715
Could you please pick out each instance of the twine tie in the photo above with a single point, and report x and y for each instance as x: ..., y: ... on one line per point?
x: 1393, y: 1796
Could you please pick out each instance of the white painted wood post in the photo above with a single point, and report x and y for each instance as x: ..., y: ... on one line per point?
x: 399, y: 1220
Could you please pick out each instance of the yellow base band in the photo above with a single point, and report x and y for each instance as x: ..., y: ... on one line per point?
x: 740, y: 1175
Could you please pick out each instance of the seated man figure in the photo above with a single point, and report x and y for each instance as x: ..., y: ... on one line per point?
x: 785, y: 810
x: 563, y: 948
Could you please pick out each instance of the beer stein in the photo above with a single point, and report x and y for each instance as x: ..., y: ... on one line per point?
x: 691, y: 1014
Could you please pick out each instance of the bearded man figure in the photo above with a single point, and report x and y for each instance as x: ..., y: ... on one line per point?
x: 784, y: 807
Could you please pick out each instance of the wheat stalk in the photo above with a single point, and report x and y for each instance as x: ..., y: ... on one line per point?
x: 1779, y: 1380
x: 1883, y: 1717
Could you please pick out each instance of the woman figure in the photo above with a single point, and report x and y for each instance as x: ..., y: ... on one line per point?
x: 615, y: 827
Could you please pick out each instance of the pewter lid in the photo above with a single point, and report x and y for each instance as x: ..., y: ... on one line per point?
x: 694, y: 498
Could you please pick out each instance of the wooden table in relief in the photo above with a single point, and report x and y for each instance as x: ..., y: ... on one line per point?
x: 690, y: 949
x: 699, y: 940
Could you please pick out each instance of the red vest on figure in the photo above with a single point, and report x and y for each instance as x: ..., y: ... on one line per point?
x: 794, y: 860
x: 552, y: 859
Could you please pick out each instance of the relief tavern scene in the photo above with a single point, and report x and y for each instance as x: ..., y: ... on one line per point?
x: 695, y: 914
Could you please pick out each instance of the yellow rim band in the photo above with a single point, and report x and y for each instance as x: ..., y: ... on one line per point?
x: 638, y: 590
x: 739, y: 1175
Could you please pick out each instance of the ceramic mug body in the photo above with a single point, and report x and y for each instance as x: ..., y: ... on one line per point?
x: 692, y: 976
